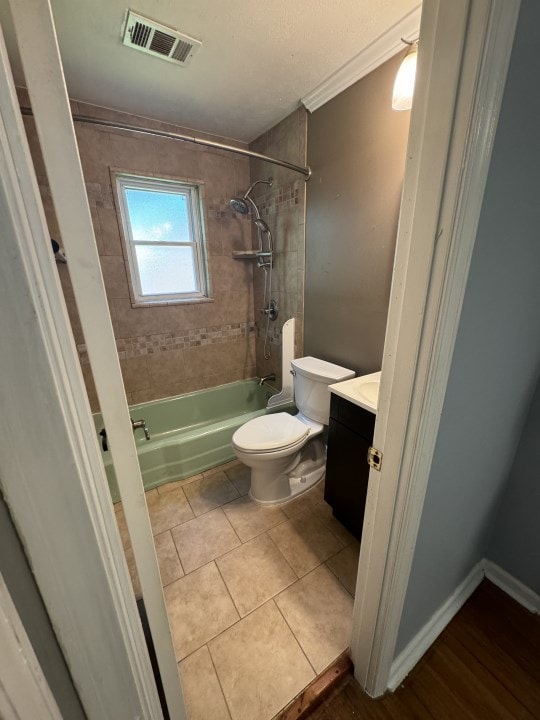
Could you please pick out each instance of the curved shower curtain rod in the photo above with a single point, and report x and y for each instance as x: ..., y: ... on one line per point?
x: 306, y: 171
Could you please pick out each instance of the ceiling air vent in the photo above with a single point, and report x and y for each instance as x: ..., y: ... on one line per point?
x: 151, y: 37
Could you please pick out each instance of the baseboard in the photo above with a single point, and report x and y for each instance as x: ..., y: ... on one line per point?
x: 512, y: 586
x: 412, y: 653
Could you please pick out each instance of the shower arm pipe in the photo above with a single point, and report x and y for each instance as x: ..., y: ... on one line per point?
x: 303, y: 170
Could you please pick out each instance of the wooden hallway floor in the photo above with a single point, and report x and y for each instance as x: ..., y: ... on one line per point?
x: 484, y: 666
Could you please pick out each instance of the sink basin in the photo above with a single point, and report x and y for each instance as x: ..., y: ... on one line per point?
x: 362, y: 391
x: 368, y: 391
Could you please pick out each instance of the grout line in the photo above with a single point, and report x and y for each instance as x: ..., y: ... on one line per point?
x: 219, y: 681
x: 228, y: 591
x: 294, y: 636
x: 283, y: 556
x: 177, y: 555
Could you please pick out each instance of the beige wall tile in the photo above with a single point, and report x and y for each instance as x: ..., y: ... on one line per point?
x: 109, y: 232
x: 115, y: 276
x: 166, y: 369
x: 135, y: 373
x: 223, y: 175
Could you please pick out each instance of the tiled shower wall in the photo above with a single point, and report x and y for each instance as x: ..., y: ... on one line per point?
x: 170, y: 349
x: 283, y: 207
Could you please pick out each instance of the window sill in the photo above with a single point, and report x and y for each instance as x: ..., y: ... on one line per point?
x: 162, y: 303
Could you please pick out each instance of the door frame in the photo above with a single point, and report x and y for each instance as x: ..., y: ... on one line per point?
x: 446, y: 170
x: 67, y: 523
x: 24, y: 690
x: 464, y: 53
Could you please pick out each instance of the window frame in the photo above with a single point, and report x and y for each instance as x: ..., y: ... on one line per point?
x: 193, y: 193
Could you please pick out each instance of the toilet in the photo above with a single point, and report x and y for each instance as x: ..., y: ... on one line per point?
x: 285, y: 452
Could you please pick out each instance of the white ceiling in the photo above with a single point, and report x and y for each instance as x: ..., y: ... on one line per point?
x: 257, y: 60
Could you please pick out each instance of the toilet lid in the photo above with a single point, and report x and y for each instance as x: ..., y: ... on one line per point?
x: 270, y: 432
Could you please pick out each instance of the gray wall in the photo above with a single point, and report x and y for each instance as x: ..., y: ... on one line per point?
x: 496, y: 357
x: 515, y: 542
x: 27, y: 599
x: 356, y: 147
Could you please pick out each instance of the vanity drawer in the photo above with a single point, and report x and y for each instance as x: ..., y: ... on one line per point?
x: 357, y: 419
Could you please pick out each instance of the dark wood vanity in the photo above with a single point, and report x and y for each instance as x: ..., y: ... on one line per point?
x: 350, y: 435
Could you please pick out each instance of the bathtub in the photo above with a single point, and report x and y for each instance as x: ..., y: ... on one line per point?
x: 192, y: 432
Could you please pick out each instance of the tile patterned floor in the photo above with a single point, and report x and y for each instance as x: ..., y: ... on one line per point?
x: 259, y: 598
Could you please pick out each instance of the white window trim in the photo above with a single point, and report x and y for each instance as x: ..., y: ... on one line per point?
x: 124, y: 180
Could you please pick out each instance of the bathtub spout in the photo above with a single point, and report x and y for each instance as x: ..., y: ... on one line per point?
x: 141, y: 424
x: 264, y: 378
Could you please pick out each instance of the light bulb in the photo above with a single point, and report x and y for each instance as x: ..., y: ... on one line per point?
x: 404, y: 84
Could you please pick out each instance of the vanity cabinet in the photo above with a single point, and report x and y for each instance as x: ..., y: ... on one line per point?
x: 350, y: 435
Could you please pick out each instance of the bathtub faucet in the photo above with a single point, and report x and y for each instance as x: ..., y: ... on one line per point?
x: 141, y: 424
x: 264, y: 378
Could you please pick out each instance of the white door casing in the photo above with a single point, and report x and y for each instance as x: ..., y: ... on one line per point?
x: 57, y: 492
x: 464, y: 53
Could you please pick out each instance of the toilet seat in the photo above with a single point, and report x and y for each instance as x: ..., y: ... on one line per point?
x: 269, y: 433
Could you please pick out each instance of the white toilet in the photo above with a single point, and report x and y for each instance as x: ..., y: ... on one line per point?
x: 283, y: 451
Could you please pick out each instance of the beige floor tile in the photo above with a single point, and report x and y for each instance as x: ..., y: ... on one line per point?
x: 240, y: 476
x: 305, y: 542
x: 307, y: 501
x: 344, y: 565
x: 199, y: 607
x: 250, y: 519
x: 122, y: 528
x: 200, y: 540
x: 324, y: 512
x: 210, y: 492
x: 202, y: 691
x: 221, y: 468
x: 167, y: 511
x: 169, y: 562
x: 254, y: 573
x: 260, y: 665
x: 318, y: 610
x: 167, y: 487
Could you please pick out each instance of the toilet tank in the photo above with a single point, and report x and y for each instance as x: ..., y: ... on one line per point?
x: 311, y: 380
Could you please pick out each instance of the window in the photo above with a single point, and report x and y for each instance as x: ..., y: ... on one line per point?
x: 163, y: 232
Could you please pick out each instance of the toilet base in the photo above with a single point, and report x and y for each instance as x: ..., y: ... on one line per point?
x: 305, y: 471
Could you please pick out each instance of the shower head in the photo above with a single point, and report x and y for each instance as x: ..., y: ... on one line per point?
x: 239, y: 205
x: 262, y: 225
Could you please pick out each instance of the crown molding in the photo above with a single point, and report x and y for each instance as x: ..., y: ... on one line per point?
x: 375, y: 54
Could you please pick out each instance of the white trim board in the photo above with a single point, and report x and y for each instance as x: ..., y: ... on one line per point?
x: 36, y: 38
x: 512, y: 586
x: 422, y: 641
x: 57, y: 493
x: 24, y: 691
x: 462, y: 64
x: 380, y: 50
